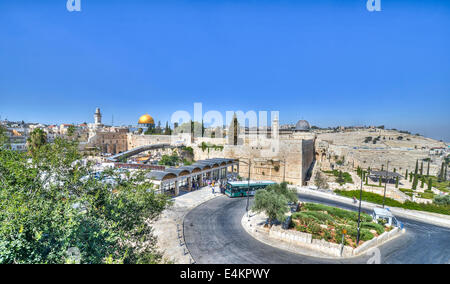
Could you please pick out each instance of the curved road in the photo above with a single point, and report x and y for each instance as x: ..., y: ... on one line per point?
x: 214, y: 234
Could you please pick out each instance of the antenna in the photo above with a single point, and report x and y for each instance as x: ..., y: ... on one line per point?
x: 112, y: 120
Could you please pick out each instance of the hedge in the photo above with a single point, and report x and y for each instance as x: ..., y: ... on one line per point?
x: 340, y: 213
x: 378, y: 199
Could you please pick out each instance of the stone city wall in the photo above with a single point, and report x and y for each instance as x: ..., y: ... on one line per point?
x: 289, y: 159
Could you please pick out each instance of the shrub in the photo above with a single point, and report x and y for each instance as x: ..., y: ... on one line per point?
x: 370, y: 225
x: 320, y: 216
x: 378, y: 199
x: 442, y: 200
x: 365, y: 235
x: 340, y: 213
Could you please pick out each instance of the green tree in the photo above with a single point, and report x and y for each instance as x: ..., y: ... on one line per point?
x: 169, y: 160
x: 430, y: 183
x: 320, y: 181
x: 416, y: 170
x: 415, y: 182
x: 55, y: 202
x: 445, y: 173
x: 396, y: 182
x: 37, y: 139
x: 140, y: 130
x: 167, y: 130
x: 340, y: 178
x: 441, y: 173
x: 203, y: 128
x: 149, y: 131
x: 274, y: 205
x: 282, y: 189
x: 71, y: 130
x: 3, y: 137
x: 428, y: 167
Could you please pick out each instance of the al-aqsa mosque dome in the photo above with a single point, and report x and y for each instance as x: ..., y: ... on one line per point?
x: 146, y: 120
x: 302, y: 125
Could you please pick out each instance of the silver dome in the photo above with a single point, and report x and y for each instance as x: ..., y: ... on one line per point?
x: 302, y: 125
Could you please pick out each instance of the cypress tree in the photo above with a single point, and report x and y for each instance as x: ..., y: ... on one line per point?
x: 396, y: 182
x: 421, y: 168
x: 428, y: 168
x: 416, y: 170
x: 415, y: 182
x: 445, y: 174
x: 422, y: 182
x: 441, y: 173
x: 430, y: 184
x: 379, y: 181
x: 406, y: 175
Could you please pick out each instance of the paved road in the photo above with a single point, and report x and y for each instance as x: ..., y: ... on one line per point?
x: 214, y: 234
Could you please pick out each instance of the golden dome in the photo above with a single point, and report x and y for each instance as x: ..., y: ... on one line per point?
x: 146, y: 119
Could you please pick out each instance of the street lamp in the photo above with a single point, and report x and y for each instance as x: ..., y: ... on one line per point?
x: 385, y: 183
x: 359, y: 210
x: 248, y: 183
x: 284, y: 169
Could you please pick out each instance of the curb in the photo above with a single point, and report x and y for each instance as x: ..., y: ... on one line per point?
x: 310, y: 248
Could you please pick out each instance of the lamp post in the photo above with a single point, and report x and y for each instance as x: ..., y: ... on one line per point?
x: 284, y: 169
x: 359, y: 210
x: 385, y: 183
x: 248, y: 186
x: 248, y: 183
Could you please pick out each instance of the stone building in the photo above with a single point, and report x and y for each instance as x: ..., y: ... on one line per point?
x: 278, y: 156
x: 112, y: 142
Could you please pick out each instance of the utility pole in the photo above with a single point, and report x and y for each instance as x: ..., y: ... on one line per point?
x: 359, y: 210
x: 248, y: 185
x: 385, y: 183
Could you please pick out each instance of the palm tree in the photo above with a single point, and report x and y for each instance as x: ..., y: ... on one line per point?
x: 37, y: 139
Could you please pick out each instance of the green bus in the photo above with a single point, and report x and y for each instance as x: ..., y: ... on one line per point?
x: 240, y: 188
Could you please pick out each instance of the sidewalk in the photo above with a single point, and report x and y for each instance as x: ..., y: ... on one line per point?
x: 169, y: 227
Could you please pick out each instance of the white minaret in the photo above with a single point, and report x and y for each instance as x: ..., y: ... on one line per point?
x: 97, y: 117
x: 275, y: 127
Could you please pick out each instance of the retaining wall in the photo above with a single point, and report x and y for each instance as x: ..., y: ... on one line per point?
x: 336, y: 250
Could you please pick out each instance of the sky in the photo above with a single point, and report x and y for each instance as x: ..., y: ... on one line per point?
x: 329, y: 62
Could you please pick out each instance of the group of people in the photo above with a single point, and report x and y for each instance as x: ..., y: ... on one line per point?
x: 221, y: 183
x: 212, y: 183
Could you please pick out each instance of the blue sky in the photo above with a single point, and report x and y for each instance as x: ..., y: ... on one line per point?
x: 329, y: 62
